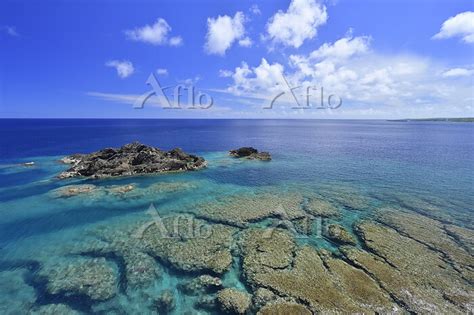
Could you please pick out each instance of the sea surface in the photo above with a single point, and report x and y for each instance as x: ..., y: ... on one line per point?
x: 388, y: 163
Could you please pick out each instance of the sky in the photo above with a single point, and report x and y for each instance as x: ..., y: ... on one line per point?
x: 335, y: 59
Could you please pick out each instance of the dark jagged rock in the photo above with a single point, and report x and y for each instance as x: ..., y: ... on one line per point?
x: 131, y: 159
x: 250, y: 153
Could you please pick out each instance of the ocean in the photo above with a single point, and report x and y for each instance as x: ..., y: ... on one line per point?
x: 358, y: 166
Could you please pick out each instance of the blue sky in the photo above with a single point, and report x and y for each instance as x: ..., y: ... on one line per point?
x: 383, y: 59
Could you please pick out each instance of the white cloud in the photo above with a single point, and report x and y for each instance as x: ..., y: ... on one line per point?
x: 343, y: 48
x: 255, y: 10
x: 461, y: 25
x: 245, y: 42
x: 155, y: 34
x: 161, y: 71
x: 223, y: 31
x: 176, y: 41
x: 10, y: 30
x: 458, y: 72
x: 262, y: 78
x: 124, y: 68
x: 397, y: 85
x: 225, y: 73
x: 297, y: 24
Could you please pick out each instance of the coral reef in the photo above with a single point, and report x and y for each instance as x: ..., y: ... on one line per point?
x: 94, y: 278
x: 165, y: 302
x: 348, y: 197
x: 202, y: 284
x: 73, y: 190
x: 433, y: 278
x: 432, y: 233
x: 141, y: 269
x: 233, y: 301
x: 263, y: 296
x: 189, y: 244
x: 284, y: 308
x: 54, y: 309
x: 17, y: 297
x: 240, y: 210
x: 276, y: 263
x: 463, y: 235
x: 121, y: 189
x: 405, y: 260
x: 339, y: 234
x: 321, y: 208
x: 122, y: 245
x: 206, y: 302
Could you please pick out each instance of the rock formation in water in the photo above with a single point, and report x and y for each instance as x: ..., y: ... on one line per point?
x: 131, y: 159
x: 250, y: 153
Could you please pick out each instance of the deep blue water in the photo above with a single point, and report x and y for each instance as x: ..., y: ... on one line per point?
x: 408, y: 164
x: 426, y: 155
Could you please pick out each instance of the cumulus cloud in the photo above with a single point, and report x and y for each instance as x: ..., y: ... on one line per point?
x: 262, y: 78
x: 461, y: 25
x: 458, y: 72
x: 155, y: 34
x: 223, y: 31
x: 299, y: 23
x: 350, y: 69
x: 343, y: 48
x: 124, y: 68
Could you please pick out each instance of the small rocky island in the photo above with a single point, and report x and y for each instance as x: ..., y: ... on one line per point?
x: 131, y: 159
x: 250, y: 153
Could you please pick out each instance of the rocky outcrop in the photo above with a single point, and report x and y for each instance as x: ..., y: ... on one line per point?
x: 131, y: 159
x: 250, y: 154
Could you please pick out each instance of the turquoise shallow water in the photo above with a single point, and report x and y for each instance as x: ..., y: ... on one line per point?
x: 386, y: 164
